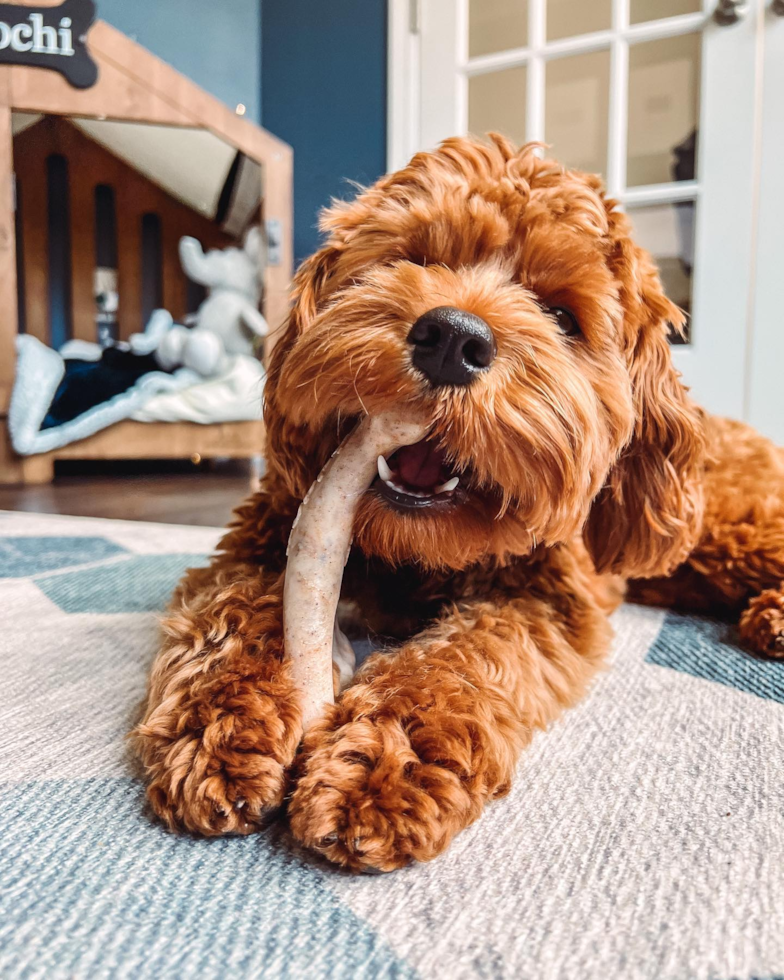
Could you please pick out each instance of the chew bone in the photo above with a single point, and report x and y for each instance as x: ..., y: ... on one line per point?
x: 318, y: 548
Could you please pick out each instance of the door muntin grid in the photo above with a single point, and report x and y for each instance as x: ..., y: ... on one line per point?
x: 613, y: 73
x: 714, y: 237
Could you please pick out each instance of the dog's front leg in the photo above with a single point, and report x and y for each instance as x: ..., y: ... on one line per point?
x: 222, y: 720
x: 428, y: 734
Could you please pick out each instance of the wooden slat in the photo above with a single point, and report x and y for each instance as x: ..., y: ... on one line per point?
x: 169, y: 440
x: 137, y: 440
x: 174, y: 282
x: 129, y: 261
x: 31, y: 168
x: 82, y: 178
x: 83, y: 310
x: 117, y: 96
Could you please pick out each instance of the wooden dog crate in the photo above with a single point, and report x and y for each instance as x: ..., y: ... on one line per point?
x: 87, y: 169
x: 52, y: 124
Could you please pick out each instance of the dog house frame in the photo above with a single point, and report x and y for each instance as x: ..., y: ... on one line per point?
x: 134, y: 86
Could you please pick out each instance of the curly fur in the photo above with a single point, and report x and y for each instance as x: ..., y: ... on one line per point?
x: 586, y: 464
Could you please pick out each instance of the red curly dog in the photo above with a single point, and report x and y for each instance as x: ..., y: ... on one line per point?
x: 504, y: 295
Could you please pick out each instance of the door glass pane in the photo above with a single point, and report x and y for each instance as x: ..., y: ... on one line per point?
x: 641, y: 10
x: 496, y: 25
x: 566, y: 18
x: 496, y: 103
x: 664, y: 83
x: 667, y: 232
x: 576, y: 109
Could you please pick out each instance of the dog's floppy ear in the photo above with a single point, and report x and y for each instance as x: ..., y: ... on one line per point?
x: 647, y: 517
x: 311, y: 282
x: 288, y: 447
x: 319, y: 276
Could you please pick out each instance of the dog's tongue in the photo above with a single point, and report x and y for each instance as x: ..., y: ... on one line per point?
x: 420, y: 465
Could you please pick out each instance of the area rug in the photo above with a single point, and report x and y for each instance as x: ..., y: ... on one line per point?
x: 644, y: 837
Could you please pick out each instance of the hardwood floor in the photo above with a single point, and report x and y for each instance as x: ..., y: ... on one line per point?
x: 170, y: 493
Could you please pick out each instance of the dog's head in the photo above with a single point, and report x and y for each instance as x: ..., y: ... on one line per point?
x: 504, y: 296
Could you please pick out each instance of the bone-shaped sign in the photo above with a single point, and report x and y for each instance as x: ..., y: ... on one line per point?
x: 50, y: 37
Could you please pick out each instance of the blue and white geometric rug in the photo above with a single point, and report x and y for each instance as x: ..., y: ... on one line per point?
x: 644, y: 837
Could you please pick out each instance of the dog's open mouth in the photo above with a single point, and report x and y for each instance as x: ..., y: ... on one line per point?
x: 418, y: 476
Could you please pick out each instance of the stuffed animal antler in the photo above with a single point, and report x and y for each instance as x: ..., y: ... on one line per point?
x: 318, y: 548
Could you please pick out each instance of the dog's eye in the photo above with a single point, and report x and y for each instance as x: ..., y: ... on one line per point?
x: 565, y: 319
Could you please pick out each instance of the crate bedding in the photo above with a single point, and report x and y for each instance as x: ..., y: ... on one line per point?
x: 54, y: 397
x: 205, y: 371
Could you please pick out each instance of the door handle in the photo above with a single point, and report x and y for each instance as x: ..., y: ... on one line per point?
x: 730, y: 11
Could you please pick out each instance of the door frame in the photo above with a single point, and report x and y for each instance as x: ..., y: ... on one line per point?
x: 765, y: 358
x: 403, y: 50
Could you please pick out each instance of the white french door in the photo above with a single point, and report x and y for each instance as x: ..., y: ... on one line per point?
x: 664, y: 99
x: 765, y: 384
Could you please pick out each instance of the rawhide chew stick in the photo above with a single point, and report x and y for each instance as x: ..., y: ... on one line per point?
x: 318, y: 548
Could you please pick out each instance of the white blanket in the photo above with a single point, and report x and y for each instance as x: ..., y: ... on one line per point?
x: 232, y: 396
x: 39, y: 370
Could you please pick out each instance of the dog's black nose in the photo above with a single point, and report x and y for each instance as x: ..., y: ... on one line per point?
x: 451, y: 347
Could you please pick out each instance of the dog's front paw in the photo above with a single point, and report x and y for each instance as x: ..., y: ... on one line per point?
x: 377, y: 794
x: 762, y: 624
x: 217, y: 758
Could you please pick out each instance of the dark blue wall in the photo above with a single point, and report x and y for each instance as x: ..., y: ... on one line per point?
x: 324, y: 65
x: 214, y: 42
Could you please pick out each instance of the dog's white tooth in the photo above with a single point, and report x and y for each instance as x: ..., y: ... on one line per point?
x: 449, y: 485
x: 383, y: 469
